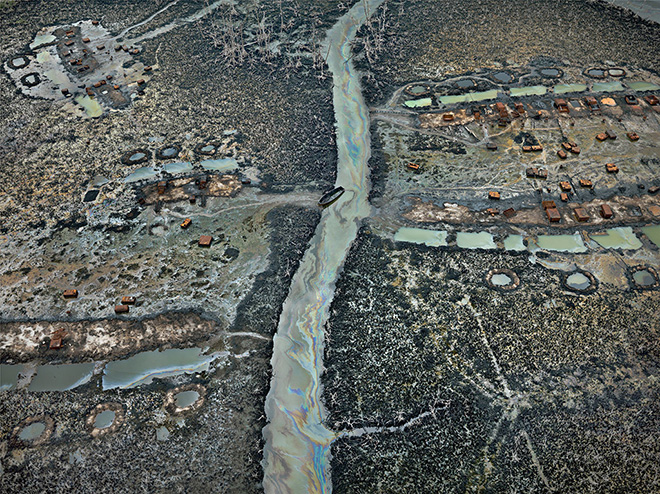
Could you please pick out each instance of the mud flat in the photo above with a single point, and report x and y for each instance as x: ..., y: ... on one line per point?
x: 452, y: 384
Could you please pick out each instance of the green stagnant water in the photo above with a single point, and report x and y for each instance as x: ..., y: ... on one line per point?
x: 91, y: 106
x: 514, y: 243
x: 9, y: 375
x: 653, y: 233
x: 569, y: 88
x: 141, y: 174
x: 418, y: 103
x: 432, y: 238
x: 617, y: 238
x: 41, y: 40
x: 528, y: 91
x: 613, y: 86
x: 642, y: 86
x: 61, y: 377
x: 179, y: 167
x: 474, y: 240
x: 221, y: 165
x: 562, y: 243
x: 145, y: 366
x: 469, y: 97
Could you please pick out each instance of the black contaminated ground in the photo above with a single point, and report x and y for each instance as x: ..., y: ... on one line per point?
x: 539, y: 388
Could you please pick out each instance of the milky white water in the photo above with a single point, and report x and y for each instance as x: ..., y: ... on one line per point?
x: 297, y: 442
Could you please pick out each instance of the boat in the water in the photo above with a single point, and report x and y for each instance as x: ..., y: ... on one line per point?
x: 331, y: 196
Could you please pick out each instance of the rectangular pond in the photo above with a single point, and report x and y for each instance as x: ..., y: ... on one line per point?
x: 61, y: 377
x: 617, y: 238
x: 432, y: 238
x: 528, y: 91
x: 469, y: 97
x: 475, y: 240
x: 562, y: 243
x: 144, y: 367
x: 642, y: 86
x: 569, y: 88
x: 653, y: 233
x: 608, y: 86
x: 418, y: 103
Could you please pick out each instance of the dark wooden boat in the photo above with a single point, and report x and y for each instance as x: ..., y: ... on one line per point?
x: 331, y: 196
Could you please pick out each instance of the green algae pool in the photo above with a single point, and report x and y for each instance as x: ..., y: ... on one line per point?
x: 91, y: 106
x: 562, y: 243
x: 528, y: 91
x: 474, y: 240
x: 618, y: 238
x: 514, y: 243
x: 569, y: 88
x: 653, y: 233
x: 469, y: 97
x: 642, y: 86
x: 432, y: 238
x: 608, y: 86
x: 418, y: 103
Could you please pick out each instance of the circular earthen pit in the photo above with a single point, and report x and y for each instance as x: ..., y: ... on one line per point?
x: 33, y: 431
x: 580, y: 281
x: 417, y: 90
x: 18, y: 62
x: 596, y: 72
x: 551, y: 72
x: 136, y: 156
x: 502, y: 279
x: 105, y: 419
x: 644, y: 277
x: 168, y: 152
x: 184, y: 399
x: 206, y: 148
x: 30, y: 80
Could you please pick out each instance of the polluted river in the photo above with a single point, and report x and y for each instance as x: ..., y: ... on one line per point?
x: 297, y: 442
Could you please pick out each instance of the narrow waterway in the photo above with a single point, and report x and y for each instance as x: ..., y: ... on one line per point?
x: 297, y: 442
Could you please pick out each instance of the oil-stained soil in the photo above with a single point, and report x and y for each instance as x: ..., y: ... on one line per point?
x: 469, y: 388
